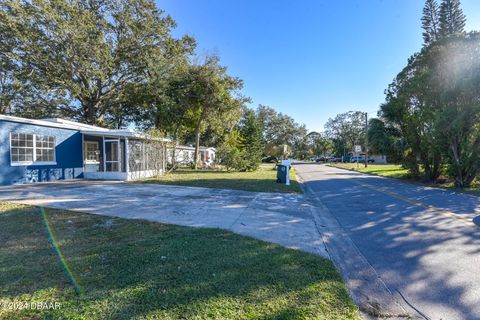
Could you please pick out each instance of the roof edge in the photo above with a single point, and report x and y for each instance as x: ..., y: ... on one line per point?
x: 43, y: 123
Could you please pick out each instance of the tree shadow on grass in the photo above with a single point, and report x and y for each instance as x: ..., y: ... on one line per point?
x: 132, y: 268
x: 255, y: 185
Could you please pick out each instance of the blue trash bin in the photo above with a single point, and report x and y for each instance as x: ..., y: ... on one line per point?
x: 282, y: 173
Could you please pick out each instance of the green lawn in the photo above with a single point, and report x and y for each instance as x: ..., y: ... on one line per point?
x: 261, y: 180
x: 384, y: 170
x: 133, y: 269
x: 396, y: 171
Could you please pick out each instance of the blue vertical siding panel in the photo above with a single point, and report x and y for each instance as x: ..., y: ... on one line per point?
x: 68, y: 153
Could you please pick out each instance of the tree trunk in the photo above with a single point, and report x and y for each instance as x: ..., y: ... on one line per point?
x: 410, y: 162
x: 427, y: 175
x: 468, y: 180
x: 459, y: 172
x: 174, y: 154
x: 425, y: 161
x: 437, y: 164
x: 197, y: 144
x: 90, y: 109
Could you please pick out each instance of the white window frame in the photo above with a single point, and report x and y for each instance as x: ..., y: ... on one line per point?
x: 85, y: 150
x: 33, y: 163
x: 35, y: 152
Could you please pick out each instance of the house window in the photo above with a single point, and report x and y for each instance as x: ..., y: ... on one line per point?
x: 26, y: 149
x: 45, y: 148
x: 22, y: 147
x: 92, y: 152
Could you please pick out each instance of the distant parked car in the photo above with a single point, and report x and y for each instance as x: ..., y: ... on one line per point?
x: 357, y: 159
x: 270, y: 159
x: 361, y: 159
x: 335, y: 159
x: 320, y: 159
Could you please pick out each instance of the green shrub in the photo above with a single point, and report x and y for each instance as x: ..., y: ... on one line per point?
x: 232, y: 158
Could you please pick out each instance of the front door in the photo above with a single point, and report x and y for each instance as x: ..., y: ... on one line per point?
x: 112, y: 156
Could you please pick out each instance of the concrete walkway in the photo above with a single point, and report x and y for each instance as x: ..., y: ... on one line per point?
x: 285, y: 219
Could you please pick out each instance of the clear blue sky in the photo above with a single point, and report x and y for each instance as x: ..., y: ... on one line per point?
x: 310, y: 59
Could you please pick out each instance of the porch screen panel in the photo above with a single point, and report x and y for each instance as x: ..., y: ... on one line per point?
x: 135, y: 156
x: 145, y: 156
x: 155, y: 160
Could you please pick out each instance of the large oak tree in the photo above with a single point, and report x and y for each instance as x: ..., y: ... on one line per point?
x: 84, y: 57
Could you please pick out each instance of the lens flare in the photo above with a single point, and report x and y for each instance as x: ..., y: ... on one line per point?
x: 64, y: 264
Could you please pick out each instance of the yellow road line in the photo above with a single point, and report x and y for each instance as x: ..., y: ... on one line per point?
x: 415, y: 202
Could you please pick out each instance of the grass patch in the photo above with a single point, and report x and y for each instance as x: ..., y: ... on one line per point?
x: 261, y: 180
x: 474, y: 189
x: 384, y: 170
x: 396, y: 171
x: 134, y: 269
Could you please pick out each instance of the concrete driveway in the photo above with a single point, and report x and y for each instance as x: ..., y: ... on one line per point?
x: 285, y: 219
x: 421, y: 243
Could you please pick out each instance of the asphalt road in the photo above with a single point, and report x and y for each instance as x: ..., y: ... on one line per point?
x: 422, y: 241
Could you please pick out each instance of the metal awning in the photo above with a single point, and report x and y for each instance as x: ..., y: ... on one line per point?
x: 118, y: 134
x: 111, y: 133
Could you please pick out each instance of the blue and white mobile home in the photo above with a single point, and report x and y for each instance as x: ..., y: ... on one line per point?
x: 58, y: 149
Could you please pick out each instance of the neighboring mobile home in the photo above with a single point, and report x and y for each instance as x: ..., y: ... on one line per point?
x: 58, y: 149
x: 378, y: 158
x: 184, y: 155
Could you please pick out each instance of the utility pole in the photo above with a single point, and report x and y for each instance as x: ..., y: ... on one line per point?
x: 366, y: 139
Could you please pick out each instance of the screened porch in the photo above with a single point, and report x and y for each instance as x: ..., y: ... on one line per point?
x: 121, y: 157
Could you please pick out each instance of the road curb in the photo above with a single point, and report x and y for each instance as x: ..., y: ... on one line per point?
x: 367, y: 289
